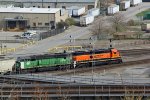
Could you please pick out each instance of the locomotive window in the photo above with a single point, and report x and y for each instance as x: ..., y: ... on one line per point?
x: 33, y: 59
x: 81, y: 53
x: 101, y: 51
x: 17, y: 64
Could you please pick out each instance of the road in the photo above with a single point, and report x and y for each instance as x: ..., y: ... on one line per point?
x: 54, y: 41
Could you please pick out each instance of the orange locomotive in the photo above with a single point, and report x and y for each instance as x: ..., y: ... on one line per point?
x: 96, y: 57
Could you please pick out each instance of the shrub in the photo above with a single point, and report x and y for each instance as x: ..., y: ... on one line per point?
x: 62, y: 24
x: 131, y: 22
x: 70, y: 21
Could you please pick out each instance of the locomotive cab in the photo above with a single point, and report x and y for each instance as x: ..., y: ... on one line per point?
x: 16, y: 67
x: 115, y: 55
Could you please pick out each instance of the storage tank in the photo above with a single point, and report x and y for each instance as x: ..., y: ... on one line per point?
x: 135, y: 2
x: 86, y: 20
x: 113, y: 9
x: 94, y: 12
x: 124, y: 5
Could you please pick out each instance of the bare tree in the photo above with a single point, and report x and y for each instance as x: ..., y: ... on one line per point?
x: 104, y: 28
x: 101, y: 29
x: 97, y: 28
x: 118, y: 23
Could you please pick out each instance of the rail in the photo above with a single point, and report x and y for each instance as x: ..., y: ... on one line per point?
x: 70, y: 90
x: 91, y: 79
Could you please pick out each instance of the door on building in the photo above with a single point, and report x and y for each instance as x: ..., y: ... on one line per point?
x: 52, y: 24
x: 15, y: 24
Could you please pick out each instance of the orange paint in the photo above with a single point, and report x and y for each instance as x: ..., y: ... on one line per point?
x: 113, y: 54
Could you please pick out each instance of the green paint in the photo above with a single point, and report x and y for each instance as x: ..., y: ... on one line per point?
x: 143, y: 13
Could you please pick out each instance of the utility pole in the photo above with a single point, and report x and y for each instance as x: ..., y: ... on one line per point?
x: 42, y: 3
x: 1, y: 46
x: 110, y: 40
x: 56, y: 4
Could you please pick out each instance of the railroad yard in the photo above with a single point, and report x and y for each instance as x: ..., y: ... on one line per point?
x: 126, y: 80
x: 130, y: 78
x: 118, y: 81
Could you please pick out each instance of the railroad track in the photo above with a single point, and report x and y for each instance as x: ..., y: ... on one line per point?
x: 131, y: 52
x: 102, y: 68
x: 72, y: 90
x: 134, y: 52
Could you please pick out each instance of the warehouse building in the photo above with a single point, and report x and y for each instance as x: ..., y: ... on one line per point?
x: 56, y: 3
x: 7, y: 3
x: 22, y: 18
x: 146, y: 0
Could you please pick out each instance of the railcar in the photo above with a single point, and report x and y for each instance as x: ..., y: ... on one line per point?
x: 67, y: 60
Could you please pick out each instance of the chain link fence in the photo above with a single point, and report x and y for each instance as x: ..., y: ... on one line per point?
x: 50, y: 33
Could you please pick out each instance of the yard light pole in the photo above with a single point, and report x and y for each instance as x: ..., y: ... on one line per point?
x: 74, y: 62
x: 1, y: 46
x: 74, y: 66
x: 5, y: 48
x: 110, y: 40
x: 42, y: 3
x: 91, y: 55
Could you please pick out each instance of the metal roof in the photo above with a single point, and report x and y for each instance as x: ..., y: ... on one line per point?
x: 7, y: 0
x: 59, y: 1
x: 29, y: 10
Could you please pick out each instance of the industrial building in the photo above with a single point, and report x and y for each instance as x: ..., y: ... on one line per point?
x: 22, y: 18
x: 56, y: 3
x: 146, y: 0
x: 7, y: 3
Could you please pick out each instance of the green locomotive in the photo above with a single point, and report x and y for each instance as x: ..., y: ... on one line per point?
x: 43, y: 62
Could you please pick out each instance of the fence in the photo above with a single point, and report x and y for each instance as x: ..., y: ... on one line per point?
x: 10, y: 50
x: 66, y: 48
x: 50, y: 33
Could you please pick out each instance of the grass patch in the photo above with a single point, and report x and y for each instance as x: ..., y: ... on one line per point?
x: 143, y: 13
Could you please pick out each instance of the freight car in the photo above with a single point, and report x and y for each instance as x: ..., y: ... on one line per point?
x: 67, y: 60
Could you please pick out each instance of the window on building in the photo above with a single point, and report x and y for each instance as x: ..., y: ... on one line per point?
x: 40, y: 24
x: 46, y: 24
x: 49, y: 6
x: 52, y: 23
x: 64, y: 7
x: 34, y: 24
x: 90, y: 6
